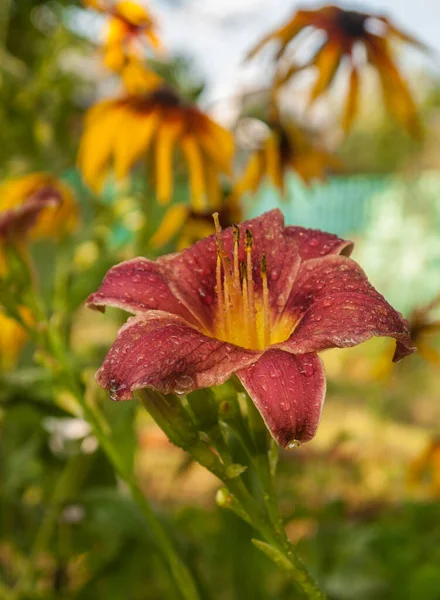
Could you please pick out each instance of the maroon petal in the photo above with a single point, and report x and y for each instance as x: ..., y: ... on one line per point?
x: 18, y: 220
x: 137, y: 285
x: 313, y: 243
x: 335, y: 306
x: 163, y: 352
x: 192, y: 272
x: 289, y: 392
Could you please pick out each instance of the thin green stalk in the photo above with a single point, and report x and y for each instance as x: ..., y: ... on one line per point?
x: 262, y: 466
x: 279, y: 549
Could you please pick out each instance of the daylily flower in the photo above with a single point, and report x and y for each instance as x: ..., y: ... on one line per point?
x: 150, y: 126
x: 345, y: 31
x: 285, y: 149
x: 129, y: 28
x: 258, y: 300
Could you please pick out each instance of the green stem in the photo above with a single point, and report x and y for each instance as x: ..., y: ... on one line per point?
x: 262, y: 466
x: 254, y: 440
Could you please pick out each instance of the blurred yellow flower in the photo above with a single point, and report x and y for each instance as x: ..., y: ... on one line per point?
x: 129, y: 28
x: 285, y: 148
x: 138, y: 79
x: 344, y: 32
x: 191, y: 226
x: 12, y: 339
x: 56, y: 219
x: 151, y: 126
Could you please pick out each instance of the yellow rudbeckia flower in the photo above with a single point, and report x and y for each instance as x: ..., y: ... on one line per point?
x: 129, y: 27
x: 151, y: 126
x: 344, y: 32
x: 55, y: 220
x: 285, y: 148
x: 35, y: 206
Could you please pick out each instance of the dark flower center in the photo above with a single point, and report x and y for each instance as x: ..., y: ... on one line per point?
x: 166, y: 97
x: 286, y: 150
x: 352, y: 23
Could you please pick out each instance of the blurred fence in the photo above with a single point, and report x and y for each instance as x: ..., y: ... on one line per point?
x: 394, y: 220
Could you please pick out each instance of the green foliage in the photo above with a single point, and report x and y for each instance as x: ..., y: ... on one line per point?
x: 41, y: 94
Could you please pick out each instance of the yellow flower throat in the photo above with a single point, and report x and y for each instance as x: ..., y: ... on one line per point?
x: 243, y: 317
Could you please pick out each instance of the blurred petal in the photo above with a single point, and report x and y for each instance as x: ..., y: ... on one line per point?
x: 132, y: 12
x: 167, y: 135
x: 216, y: 141
x: 274, y: 167
x: 289, y: 392
x: 396, y: 93
x: 101, y: 127
x: 193, y: 158
x: 163, y: 352
x: 334, y: 305
x: 137, y: 286
x: 252, y: 175
x: 133, y: 140
x: 327, y: 62
x: 284, y: 34
x: 213, y: 186
x: 403, y: 35
x: 173, y: 221
x: 352, y: 102
x: 313, y: 243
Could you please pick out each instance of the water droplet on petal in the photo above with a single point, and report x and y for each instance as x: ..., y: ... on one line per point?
x: 293, y: 444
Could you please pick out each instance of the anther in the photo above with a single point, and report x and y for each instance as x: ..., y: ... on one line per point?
x: 249, y: 239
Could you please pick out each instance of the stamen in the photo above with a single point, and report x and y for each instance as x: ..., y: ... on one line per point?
x: 266, y: 313
x: 245, y: 302
x: 236, y: 233
x: 250, y: 288
x: 227, y: 276
x: 227, y: 295
x: 242, y: 317
x: 219, y: 292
